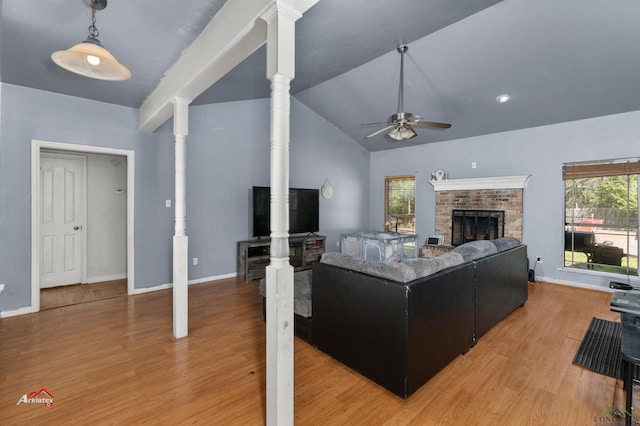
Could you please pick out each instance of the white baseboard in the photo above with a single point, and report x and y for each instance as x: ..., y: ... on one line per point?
x: 150, y: 289
x: 15, y: 312
x: 103, y: 278
x: 214, y: 278
x: 29, y: 310
x: 574, y: 284
x: 190, y: 282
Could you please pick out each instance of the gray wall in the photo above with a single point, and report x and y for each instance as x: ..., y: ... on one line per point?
x: 106, y: 217
x: 540, y: 152
x: 28, y: 114
x: 228, y: 152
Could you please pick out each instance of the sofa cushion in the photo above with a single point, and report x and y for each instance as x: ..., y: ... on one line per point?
x: 301, y: 292
x: 342, y: 260
x: 505, y: 243
x: 425, y: 267
x: 395, y: 271
x: 449, y: 259
x: 474, y: 250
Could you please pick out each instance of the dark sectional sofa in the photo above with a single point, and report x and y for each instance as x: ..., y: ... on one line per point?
x: 399, y: 324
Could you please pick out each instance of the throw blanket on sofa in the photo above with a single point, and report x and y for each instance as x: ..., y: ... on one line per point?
x: 412, y: 269
x: 301, y: 292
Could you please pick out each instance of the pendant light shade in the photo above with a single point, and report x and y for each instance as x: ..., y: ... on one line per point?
x: 90, y: 58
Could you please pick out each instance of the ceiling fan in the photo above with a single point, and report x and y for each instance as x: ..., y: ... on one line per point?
x: 401, y: 124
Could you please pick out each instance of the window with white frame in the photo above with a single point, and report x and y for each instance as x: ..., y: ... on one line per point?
x: 601, y: 216
x: 400, y: 204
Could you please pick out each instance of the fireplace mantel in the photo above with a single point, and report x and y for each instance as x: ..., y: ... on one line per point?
x: 498, y: 182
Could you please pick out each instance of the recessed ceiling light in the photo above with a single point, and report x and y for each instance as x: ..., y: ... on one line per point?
x: 503, y: 98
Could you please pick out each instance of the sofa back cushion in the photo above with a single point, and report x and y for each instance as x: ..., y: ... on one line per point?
x: 476, y: 249
x: 505, y: 243
x: 394, y: 271
x: 425, y: 267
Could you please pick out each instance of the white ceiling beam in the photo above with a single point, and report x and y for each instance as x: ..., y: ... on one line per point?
x: 233, y: 34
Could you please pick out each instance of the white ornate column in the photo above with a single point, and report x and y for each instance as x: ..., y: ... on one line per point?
x: 280, y: 70
x: 180, y: 239
x: 235, y: 32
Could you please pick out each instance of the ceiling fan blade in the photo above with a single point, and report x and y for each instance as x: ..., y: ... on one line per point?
x: 431, y: 124
x: 377, y: 132
x: 375, y: 124
x: 402, y: 121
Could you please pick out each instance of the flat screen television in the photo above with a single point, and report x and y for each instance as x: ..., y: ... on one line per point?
x: 304, y: 207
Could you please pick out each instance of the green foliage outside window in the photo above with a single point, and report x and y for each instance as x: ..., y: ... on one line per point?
x: 618, y: 192
x: 400, y: 203
x: 601, y: 223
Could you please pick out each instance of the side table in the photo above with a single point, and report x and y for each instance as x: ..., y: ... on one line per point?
x: 630, y: 348
x: 628, y: 304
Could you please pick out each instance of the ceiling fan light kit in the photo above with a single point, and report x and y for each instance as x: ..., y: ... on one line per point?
x: 90, y: 58
x: 402, y: 133
x: 401, y: 124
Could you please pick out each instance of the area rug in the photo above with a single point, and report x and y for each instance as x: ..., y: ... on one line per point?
x: 600, y: 348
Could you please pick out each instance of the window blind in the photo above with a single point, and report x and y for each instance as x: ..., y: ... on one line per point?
x: 399, y: 184
x: 399, y: 205
x: 590, y: 170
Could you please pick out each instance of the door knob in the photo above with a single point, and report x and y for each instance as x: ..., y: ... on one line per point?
x: 75, y: 228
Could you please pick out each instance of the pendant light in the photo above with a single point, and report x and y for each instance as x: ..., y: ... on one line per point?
x: 89, y: 58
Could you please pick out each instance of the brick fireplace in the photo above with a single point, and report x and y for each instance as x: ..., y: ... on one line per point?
x: 497, y: 193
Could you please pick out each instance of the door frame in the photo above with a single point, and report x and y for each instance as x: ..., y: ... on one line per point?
x: 36, y: 147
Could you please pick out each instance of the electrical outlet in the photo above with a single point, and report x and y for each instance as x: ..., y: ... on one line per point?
x: 539, y: 260
x: 474, y: 164
x: 195, y: 260
x: 167, y: 203
x: 1, y: 287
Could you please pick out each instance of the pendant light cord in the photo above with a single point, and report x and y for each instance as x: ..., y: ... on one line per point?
x: 93, y: 31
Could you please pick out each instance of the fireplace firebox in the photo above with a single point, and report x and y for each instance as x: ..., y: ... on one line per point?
x: 472, y: 225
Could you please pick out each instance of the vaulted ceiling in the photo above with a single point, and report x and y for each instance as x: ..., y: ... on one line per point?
x: 559, y: 60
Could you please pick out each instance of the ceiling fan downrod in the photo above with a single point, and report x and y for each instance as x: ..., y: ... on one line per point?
x: 401, y: 123
x: 402, y: 49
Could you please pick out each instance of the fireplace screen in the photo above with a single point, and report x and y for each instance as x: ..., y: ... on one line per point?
x: 472, y: 225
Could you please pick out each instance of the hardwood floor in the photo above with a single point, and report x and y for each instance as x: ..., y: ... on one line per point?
x: 56, y: 297
x: 115, y: 361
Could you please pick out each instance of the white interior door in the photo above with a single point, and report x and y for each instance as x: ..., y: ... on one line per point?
x: 62, y: 217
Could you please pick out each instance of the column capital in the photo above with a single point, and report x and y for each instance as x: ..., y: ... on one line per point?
x: 281, y: 30
x: 283, y: 9
x: 180, y: 116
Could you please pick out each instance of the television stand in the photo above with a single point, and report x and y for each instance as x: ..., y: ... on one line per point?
x: 254, y: 255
